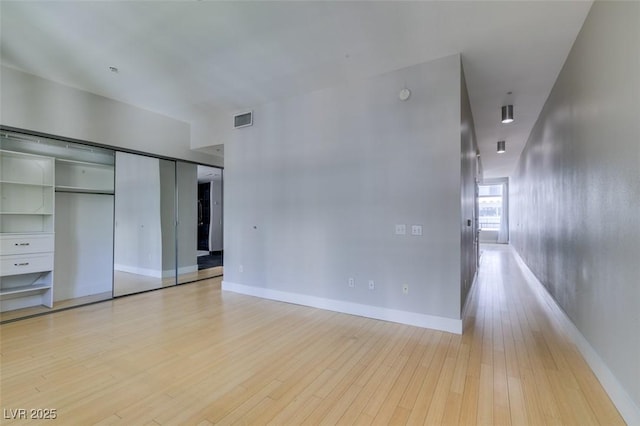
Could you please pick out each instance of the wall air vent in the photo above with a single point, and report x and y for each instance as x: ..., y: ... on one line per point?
x: 243, y: 120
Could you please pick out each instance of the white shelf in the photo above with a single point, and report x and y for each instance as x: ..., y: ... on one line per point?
x: 27, y: 214
x: 85, y: 163
x: 84, y: 177
x: 10, y: 293
x: 40, y: 185
x: 35, y: 233
x: 18, y: 195
x: 18, y: 167
x: 85, y: 190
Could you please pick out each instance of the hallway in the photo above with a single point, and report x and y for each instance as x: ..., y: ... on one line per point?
x: 527, y: 362
x: 196, y: 355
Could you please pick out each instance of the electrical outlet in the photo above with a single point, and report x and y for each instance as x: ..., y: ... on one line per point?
x: 352, y: 282
x: 401, y: 229
x: 372, y: 285
x: 405, y: 289
x: 416, y: 230
x: 241, y: 268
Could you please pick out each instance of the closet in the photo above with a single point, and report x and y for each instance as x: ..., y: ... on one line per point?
x: 56, y: 223
x: 81, y: 223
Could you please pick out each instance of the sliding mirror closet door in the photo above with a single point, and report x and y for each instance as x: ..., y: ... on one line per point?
x: 145, y: 232
x: 199, y: 222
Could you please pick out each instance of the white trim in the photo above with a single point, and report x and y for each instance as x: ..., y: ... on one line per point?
x: 138, y: 271
x: 185, y: 269
x: 471, y: 294
x: 628, y: 409
x: 154, y: 272
x: 410, y: 318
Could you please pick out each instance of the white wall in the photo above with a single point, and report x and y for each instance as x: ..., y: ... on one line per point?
x: 314, y: 189
x: 575, y: 196
x: 33, y: 103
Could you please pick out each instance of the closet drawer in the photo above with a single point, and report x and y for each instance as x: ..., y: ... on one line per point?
x: 22, y: 244
x: 26, y: 264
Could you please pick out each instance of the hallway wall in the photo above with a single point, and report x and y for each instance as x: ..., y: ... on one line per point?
x: 469, y: 173
x: 576, y: 191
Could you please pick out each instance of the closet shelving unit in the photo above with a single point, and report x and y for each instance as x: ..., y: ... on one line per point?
x: 26, y: 230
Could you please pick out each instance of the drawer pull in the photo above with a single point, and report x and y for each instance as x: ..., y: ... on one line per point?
x: 21, y: 264
x: 21, y: 244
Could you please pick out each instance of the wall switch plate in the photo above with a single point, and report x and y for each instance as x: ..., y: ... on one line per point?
x: 405, y: 289
x: 372, y: 285
x: 241, y: 268
x: 352, y: 282
x: 416, y: 229
x: 401, y: 229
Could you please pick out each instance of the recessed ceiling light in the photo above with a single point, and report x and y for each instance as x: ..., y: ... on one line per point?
x: 501, y: 147
x: 114, y: 69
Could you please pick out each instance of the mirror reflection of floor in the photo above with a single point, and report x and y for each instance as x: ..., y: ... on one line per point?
x: 62, y: 304
x: 128, y: 283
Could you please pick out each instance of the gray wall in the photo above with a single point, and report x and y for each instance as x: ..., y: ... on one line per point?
x: 469, y: 174
x: 215, y: 232
x: 33, y: 103
x: 576, y: 192
x: 313, y: 191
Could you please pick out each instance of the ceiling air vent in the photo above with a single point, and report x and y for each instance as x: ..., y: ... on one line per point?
x: 243, y: 120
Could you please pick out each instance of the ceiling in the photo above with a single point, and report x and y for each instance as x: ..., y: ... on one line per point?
x: 189, y: 59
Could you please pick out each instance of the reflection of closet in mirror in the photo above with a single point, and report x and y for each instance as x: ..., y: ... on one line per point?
x: 145, y: 240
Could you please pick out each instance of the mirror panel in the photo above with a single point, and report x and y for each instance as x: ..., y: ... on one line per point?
x: 145, y: 250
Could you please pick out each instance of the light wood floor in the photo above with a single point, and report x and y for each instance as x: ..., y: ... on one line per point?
x: 195, y: 355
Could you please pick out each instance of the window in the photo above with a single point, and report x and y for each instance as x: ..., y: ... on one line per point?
x: 490, y: 207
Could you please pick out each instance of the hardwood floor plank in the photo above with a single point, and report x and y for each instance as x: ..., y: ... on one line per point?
x: 196, y: 355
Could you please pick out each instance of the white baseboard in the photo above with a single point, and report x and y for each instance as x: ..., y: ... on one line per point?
x: 470, y: 295
x: 182, y: 270
x: 628, y: 409
x: 410, y: 318
x: 156, y: 273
